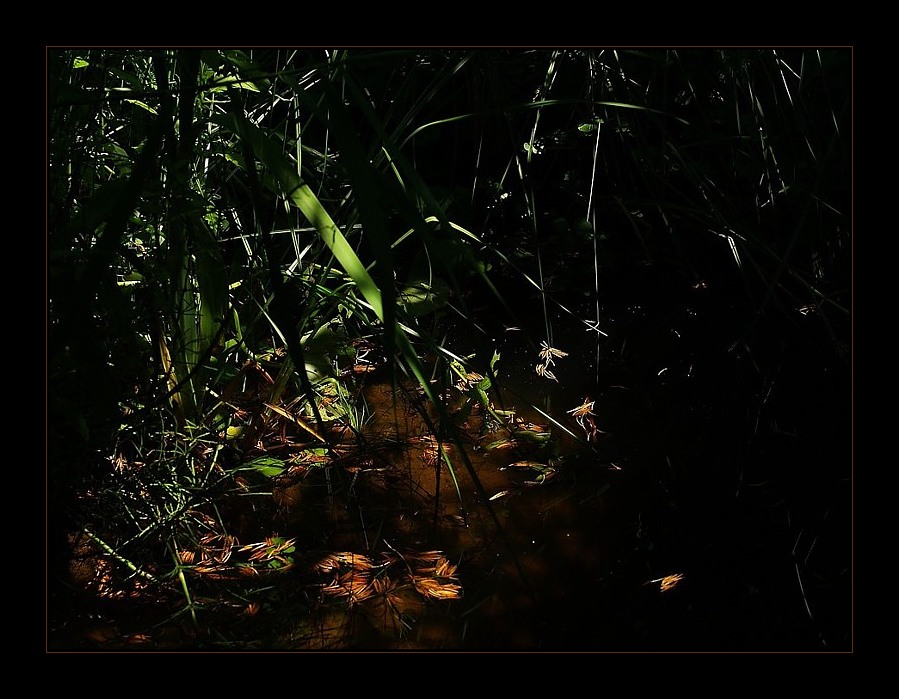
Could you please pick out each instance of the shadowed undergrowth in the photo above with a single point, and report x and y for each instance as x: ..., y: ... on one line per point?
x: 358, y: 349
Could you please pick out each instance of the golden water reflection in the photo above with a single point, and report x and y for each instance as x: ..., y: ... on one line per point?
x: 531, y: 555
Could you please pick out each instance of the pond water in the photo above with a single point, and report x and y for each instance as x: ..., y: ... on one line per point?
x: 638, y: 494
x: 685, y: 521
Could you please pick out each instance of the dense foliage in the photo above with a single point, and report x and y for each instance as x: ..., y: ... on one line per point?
x: 234, y: 235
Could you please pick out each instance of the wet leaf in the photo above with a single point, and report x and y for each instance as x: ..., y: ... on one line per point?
x: 266, y: 465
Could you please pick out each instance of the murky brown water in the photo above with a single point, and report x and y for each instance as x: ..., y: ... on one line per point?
x: 671, y: 529
x: 535, y: 552
x: 534, y: 525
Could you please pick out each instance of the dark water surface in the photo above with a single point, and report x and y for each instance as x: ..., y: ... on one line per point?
x: 726, y: 477
x: 710, y: 511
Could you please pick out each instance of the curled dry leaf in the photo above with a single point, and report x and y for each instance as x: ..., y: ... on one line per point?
x: 437, y: 589
x: 343, y: 559
x: 669, y: 582
x: 354, y: 585
x: 186, y: 557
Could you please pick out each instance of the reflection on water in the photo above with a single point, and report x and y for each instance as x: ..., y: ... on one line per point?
x: 537, y: 557
x: 672, y: 528
x: 646, y: 496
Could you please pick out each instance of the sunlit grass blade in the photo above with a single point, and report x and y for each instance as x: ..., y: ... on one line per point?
x: 300, y: 195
